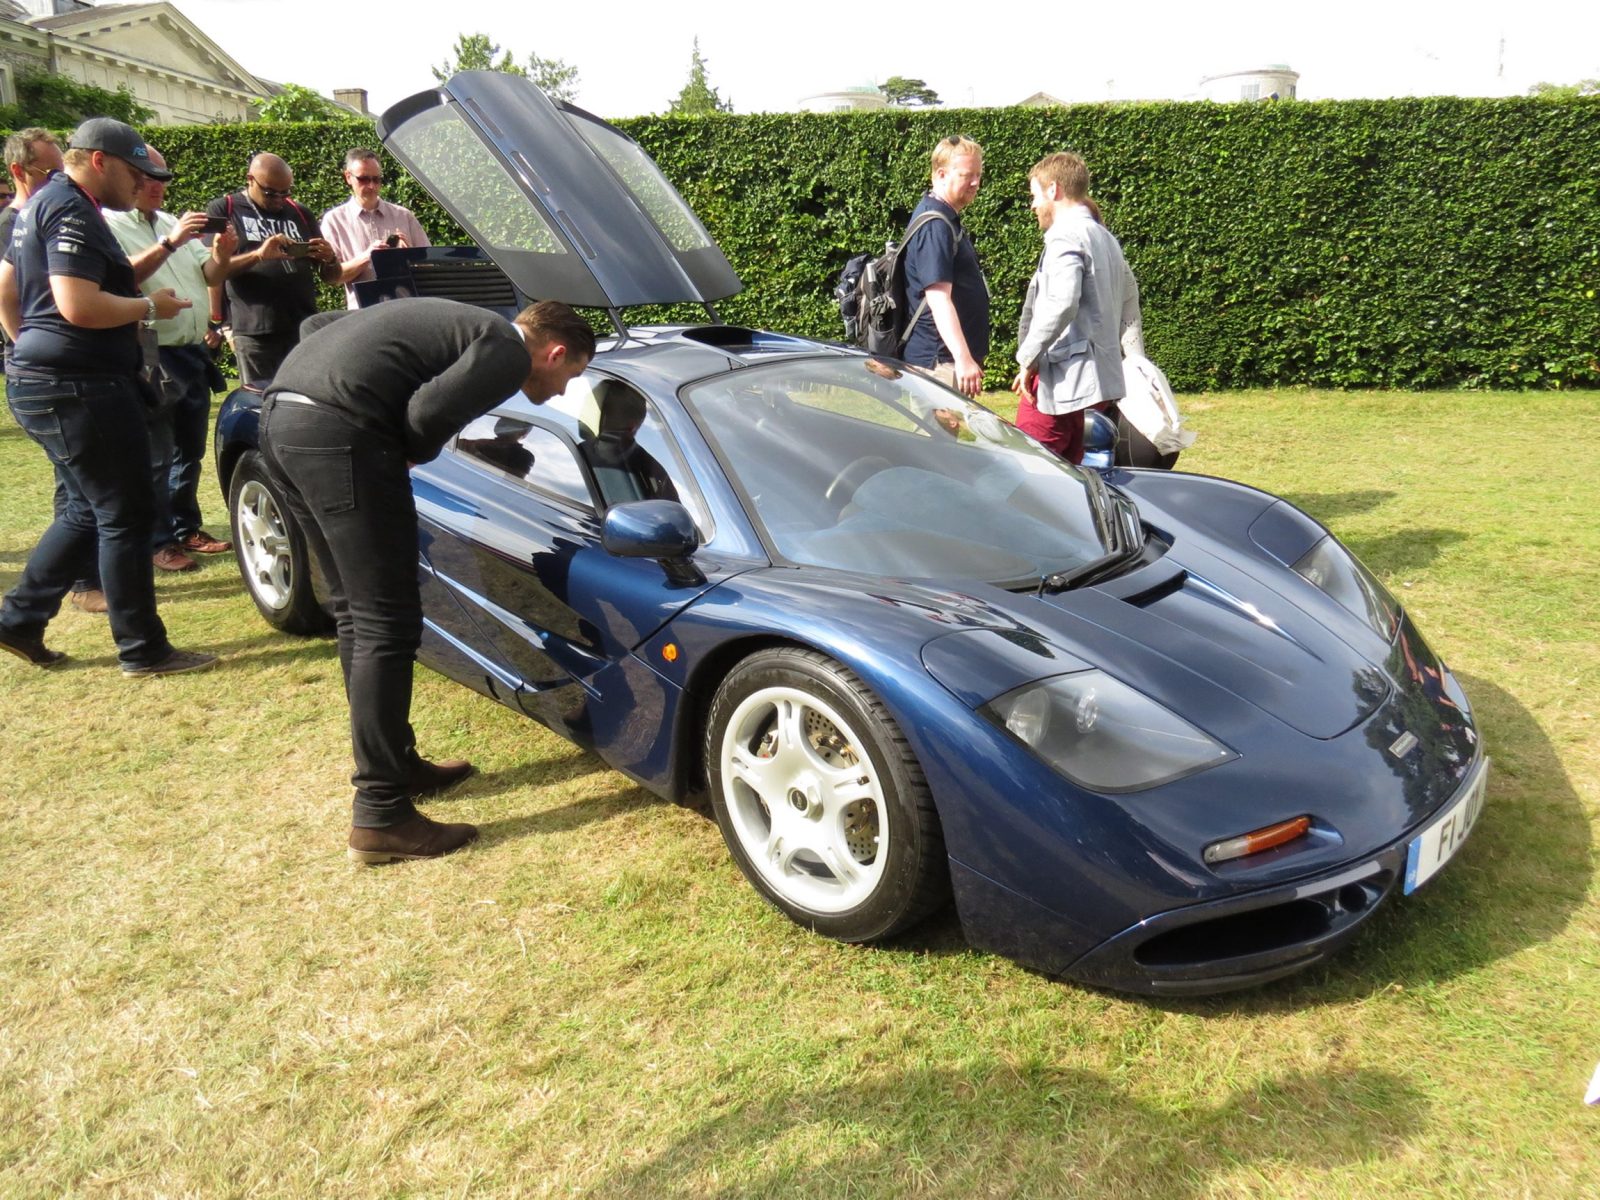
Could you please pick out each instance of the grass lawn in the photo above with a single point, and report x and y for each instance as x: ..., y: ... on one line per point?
x: 200, y: 996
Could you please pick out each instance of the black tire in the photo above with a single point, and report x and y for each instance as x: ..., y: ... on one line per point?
x: 856, y: 857
x: 271, y: 551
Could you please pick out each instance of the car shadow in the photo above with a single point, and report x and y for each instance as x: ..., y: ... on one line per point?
x: 1395, y: 555
x: 1030, y: 1128
x: 1518, y: 882
x: 1330, y: 506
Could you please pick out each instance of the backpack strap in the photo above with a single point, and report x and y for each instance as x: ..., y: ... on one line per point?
x: 926, y: 218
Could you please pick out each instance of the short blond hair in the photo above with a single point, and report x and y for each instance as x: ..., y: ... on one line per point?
x: 1067, y: 171
x: 948, y: 149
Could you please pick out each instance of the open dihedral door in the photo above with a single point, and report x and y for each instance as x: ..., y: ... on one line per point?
x: 568, y: 206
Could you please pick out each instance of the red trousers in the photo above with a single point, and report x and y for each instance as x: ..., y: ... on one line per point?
x: 1062, y: 433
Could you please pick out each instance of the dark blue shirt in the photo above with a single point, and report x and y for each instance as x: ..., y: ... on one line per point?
x: 934, y: 256
x: 61, y: 232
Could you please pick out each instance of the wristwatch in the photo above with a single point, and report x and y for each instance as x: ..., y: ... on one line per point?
x: 149, y: 310
x: 166, y: 244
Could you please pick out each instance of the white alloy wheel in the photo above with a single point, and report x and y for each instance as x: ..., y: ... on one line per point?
x: 265, y: 556
x: 804, y: 801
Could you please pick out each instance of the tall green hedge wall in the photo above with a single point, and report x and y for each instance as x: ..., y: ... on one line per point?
x: 1397, y: 243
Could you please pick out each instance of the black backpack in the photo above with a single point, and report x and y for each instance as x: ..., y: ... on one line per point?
x: 872, y: 294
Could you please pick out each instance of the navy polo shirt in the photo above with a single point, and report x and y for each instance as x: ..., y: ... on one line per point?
x: 61, y: 232
x: 933, y: 256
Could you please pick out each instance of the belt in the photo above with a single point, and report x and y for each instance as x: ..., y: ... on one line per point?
x: 293, y: 398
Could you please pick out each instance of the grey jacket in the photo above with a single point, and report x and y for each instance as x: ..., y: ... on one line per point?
x: 1082, y: 310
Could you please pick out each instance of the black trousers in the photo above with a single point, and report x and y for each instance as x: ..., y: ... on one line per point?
x: 350, y: 493
x: 261, y: 354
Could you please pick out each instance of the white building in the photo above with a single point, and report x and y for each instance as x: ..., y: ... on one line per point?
x: 846, y: 100
x: 1275, y: 82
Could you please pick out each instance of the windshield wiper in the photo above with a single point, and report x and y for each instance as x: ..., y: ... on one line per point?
x: 1123, y: 534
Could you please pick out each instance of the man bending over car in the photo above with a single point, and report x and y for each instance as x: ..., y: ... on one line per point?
x: 363, y: 397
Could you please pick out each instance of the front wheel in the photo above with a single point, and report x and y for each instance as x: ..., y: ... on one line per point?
x: 271, y: 551
x: 820, y: 800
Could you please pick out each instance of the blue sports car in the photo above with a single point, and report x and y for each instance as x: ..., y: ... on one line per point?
x: 1150, y: 731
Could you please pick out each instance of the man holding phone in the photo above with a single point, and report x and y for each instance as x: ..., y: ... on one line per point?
x: 272, y: 277
x: 366, y: 222
x: 166, y: 253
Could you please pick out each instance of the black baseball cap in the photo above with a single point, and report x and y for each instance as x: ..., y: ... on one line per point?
x: 118, y: 140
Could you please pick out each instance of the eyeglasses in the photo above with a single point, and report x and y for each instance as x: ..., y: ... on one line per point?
x: 367, y: 178
x: 271, y: 193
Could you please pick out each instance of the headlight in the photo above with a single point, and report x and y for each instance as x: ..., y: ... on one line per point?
x: 1331, y: 567
x: 1103, y: 735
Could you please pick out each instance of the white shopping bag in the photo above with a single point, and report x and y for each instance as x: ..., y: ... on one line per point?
x: 1150, y: 406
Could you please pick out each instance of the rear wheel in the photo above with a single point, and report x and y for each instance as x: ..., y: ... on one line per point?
x: 271, y: 551
x: 820, y: 799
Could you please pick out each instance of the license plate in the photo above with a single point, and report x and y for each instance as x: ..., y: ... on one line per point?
x: 1437, y: 844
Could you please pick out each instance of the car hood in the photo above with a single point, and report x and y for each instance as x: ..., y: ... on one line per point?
x: 1200, y: 636
x: 566, y: 205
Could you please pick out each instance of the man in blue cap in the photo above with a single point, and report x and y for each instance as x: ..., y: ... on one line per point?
x: 71, y: 305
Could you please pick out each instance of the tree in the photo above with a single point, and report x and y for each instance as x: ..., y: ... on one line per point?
x: 475, y: 52
x: 1565, y: 91
x: 909, y: 93
x: 296, y: 102
x: 56, y: 102
x: 698, y: 97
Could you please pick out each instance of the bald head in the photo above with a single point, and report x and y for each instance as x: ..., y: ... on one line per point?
x: 270, y: 182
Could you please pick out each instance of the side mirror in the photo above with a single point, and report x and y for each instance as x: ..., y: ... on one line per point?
x: 658, y: 529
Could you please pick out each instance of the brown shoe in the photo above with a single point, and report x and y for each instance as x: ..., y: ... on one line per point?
x: 29, y: 649
x: 170, y: 558
x: 415, y: 837
x: 201, y: 542
x: 91, y: 600
x: 429, y: 779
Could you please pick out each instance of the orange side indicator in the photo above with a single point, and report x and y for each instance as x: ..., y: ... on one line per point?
x: 1257, y: 841
x: 670, y: 652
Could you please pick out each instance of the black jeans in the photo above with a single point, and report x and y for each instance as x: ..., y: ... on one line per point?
x: 261, y: 354
x: 351, y: 496
x: 94, y: 431
x: 186, y: 386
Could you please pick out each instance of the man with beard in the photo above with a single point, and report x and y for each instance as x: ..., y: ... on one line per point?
x: 1081, y: 298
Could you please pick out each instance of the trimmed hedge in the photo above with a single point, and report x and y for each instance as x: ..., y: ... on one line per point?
x: 1397, y: 243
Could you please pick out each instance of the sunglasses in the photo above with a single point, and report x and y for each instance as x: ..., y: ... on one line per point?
x: 270, y: 193
x: 367, y: 178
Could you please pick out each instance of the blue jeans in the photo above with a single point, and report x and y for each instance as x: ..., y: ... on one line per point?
x: 90, y: 580
x: 187, y: 390
x: 94, y: 430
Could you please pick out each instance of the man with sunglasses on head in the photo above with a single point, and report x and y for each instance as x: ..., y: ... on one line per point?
x: 72, y: 307
x: 272, y: 277
x: 366, y: 222
x: 945, y: 288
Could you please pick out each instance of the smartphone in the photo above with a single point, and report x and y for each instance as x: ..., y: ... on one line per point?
x: 298, y: 249
x: 392, y: 240
x: 214, y: 225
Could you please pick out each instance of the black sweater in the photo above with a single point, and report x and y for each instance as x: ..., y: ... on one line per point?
x: 409, y: 371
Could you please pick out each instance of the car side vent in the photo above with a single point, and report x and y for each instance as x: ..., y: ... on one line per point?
x: 470, y: 281
x: 1159, y: 590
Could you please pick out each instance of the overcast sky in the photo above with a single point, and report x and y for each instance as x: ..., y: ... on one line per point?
x: 633, y: 57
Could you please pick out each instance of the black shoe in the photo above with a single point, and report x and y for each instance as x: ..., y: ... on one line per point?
x: 175, y: 663
x: 32, y: 649
x: 415, y: 837
x: 429, y: 779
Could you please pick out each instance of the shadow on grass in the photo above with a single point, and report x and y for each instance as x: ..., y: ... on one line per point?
x: 1330, y: 506
x: 1518, y: 882
x: 1406, y: 551
x: 575, y: 815
x: 1032, y: 1130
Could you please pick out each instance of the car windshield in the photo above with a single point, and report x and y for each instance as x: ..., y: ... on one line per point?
x: 865, y: 465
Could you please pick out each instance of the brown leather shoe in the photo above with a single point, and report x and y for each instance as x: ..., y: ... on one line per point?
x: 29, y: 649
x: 201, y: 542
x: 429, y: 779
x: 91, y: 600
x: 170, y: 558
x: 415, y: 837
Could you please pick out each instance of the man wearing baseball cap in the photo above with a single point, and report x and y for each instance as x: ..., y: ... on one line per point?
x: 71, y: 305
